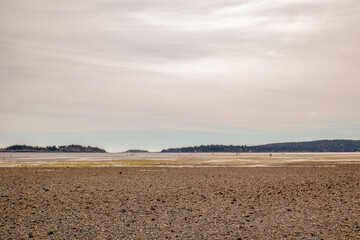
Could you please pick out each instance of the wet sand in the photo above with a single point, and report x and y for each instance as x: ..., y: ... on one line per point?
x: 286, y: 202
x: 175, y: 159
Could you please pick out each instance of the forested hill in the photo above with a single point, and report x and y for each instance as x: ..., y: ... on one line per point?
x: 311, y: 146
x: 69, y: 148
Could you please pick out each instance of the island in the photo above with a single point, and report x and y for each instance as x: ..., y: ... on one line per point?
x: 137, y: 151
x: 73, y: 148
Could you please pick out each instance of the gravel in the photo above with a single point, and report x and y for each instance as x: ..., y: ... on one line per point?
x: 185, y: 203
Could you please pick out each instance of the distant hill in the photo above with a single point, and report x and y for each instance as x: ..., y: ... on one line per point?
x: 311, y: 146
x: 69, y: 148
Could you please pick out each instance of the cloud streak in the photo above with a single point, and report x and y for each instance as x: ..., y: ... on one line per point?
x: 178, y: 66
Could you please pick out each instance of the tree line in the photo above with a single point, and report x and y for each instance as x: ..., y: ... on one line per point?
x: 310, y: 146
x: 64, y: 148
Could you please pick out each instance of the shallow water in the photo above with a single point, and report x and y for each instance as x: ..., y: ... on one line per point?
x: 176, y: 159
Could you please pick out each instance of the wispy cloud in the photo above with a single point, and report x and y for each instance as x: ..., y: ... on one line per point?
x: 178, y: 66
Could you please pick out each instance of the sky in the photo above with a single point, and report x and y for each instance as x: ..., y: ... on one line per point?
x: 154, y: 74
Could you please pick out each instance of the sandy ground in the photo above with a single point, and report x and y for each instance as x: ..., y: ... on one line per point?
x: 294, y: 202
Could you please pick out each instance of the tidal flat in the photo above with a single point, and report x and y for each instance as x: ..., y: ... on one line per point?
x: 186, y: 203
x: 184, y: 196
x: 176, y: 159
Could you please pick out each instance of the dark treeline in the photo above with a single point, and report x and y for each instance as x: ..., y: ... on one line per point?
x: 137, y: 151
x: 68, y: 148
x: 209, y: 148
x: 311, y: 146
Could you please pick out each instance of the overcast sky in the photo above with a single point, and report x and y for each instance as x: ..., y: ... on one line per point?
x: 153, y: 74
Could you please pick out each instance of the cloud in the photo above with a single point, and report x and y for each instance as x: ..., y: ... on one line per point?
x: 272, y: 54
x: 178, y: 65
